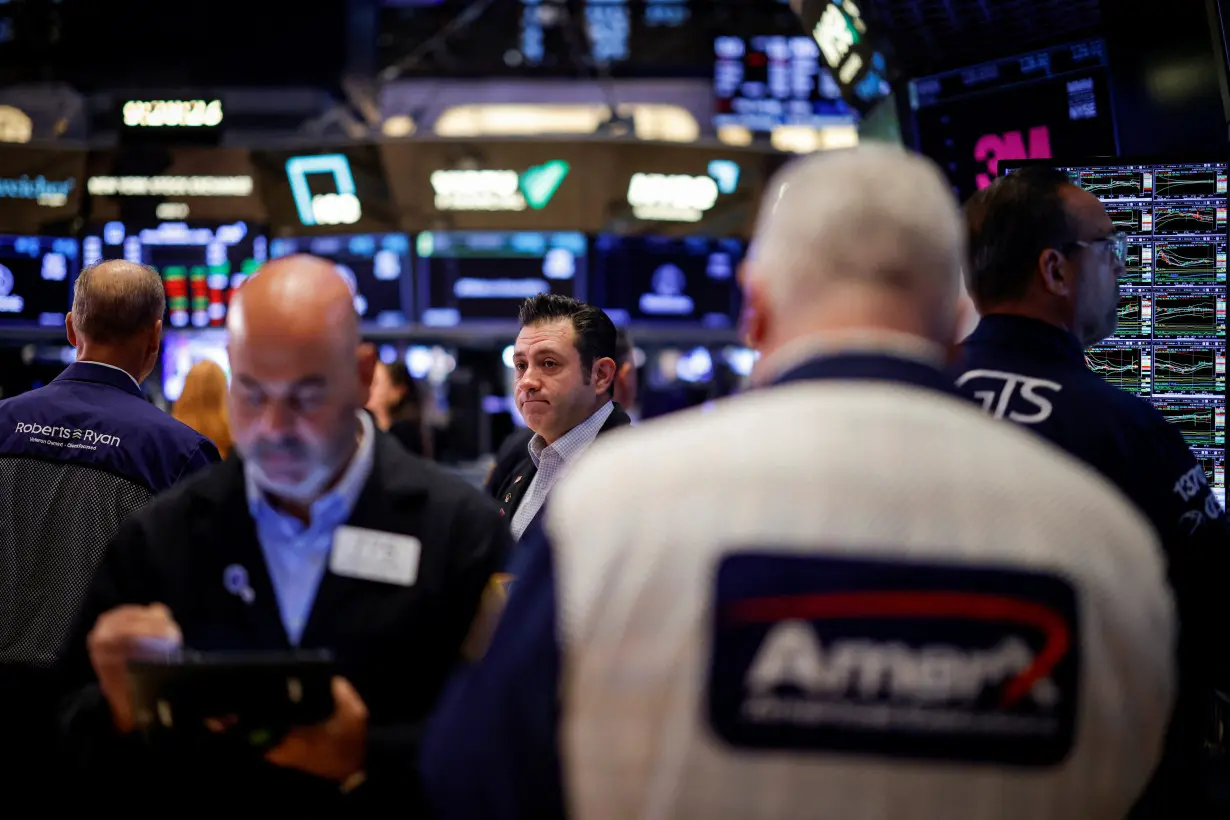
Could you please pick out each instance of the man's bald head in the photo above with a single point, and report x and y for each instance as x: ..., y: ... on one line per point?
x: 117, y: 301
x: 299, y: 375
x: 295, y: 297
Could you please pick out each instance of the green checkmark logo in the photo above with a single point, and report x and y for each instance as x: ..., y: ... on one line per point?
x: 539, y: 183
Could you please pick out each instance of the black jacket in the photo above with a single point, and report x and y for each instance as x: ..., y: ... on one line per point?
x: 1036, y: 375
x: 397, y: 645
x: 512, y: 476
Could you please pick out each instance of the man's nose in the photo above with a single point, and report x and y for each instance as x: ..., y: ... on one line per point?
x: 530, y: 381
x: 277, y: 418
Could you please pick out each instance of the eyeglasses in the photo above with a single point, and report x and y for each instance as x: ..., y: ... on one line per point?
x: 1117, y: 242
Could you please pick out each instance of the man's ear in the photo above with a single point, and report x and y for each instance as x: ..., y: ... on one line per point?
x: 1055, y: 272
x: 155, y: 342
x: 367, y: 370
x: 756, y: 316
x: 602, y: 375
x: 72, y: 331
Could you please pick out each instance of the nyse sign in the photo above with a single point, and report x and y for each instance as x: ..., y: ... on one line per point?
x: 172, y: 113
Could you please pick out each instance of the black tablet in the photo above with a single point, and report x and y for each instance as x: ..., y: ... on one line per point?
x: 253, y: 698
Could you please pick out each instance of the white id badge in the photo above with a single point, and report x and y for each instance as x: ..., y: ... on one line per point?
x: 371, y: 555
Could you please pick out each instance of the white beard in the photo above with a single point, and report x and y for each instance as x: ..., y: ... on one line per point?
x: 301, y: 492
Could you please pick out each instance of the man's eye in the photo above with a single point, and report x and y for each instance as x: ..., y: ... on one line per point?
x: 548, y: 363
x: 519, y: 367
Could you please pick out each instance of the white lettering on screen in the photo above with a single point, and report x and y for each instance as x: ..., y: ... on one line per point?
x: 470, y: 288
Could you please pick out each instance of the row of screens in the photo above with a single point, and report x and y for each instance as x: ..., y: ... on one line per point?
x: 437, y: 279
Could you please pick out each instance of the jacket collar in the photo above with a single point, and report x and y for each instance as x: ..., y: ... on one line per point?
x: 1021, y: 332
x: 864, y: 366
x: 101, y: 374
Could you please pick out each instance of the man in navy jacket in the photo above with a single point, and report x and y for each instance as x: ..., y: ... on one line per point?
x: 1044, y: 272
x: 76, y: 457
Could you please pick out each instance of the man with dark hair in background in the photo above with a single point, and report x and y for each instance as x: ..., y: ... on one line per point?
x: 76, y: 457
x: 1045, y: 261
x: 624, y: 392
x: 565, y: 362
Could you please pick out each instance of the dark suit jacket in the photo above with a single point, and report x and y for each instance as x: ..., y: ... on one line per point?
x: 396, y: 644
x: 511, y: 477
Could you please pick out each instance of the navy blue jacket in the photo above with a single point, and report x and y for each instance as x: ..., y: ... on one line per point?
x: 1035, y: 374
x: 76, y: 457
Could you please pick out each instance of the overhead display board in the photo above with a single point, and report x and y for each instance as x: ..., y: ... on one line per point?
x: 852, y: 47
x: 590, y: 186
x: 40, y: 189
x: 325, y: 189
x: 181, y: 182
x: 1051, y: 103
x: 521, y: 185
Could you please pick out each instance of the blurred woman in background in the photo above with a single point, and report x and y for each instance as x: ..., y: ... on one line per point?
x: 397, y: 406
x: 202, y: 404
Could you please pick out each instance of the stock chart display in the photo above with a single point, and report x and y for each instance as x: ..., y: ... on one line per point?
x: 36, y: 280
x: 200, y: 263
x: 652, y: 280
x: 1170, y: 346
x: 468, y: 277
x: 376, y: 266
x: 763, y: 82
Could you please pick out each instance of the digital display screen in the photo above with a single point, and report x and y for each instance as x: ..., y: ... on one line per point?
x: 36, y: 280
x: 1053, y: 103
x: 40, y: 189
x: 761, y: 83
x: 484, y: 276
x: 661, y: 280
x: 376, y: 266
x: 1170, y: 345
x: 200, y: 263
x: 182, y: 350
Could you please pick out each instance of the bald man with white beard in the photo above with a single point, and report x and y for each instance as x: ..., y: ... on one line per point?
x: 845, y: 595
x: 324, y: 534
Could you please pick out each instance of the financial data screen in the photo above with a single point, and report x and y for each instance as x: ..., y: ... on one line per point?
x: 201, y: 264
x: 667, y: 281
x: 376, y: 266
x: 36, y: 280
x: 763, y: 82
x: 1170, y: 346
x: 484, y: 276
x: 181, y: 350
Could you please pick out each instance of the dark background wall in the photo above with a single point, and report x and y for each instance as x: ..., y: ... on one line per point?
x: 1167, y: 73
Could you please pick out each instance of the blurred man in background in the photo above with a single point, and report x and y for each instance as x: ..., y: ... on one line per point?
x: 566, y: 363
x: 846, y: 595
x: 1045, y: 266
x: 323, y: 534
x: 76, y: 457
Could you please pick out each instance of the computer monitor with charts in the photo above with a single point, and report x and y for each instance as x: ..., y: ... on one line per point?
x: 1170, y: 346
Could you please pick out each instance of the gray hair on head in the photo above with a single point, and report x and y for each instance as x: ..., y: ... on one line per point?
x: 876, y: 215
x: 115, y: 300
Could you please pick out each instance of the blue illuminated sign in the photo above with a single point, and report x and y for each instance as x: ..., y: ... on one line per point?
x: 340, y: 208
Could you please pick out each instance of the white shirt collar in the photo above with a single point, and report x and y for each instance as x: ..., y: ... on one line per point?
x: 572, y: 443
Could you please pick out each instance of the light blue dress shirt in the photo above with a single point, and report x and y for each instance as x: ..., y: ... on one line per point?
x: 297, y: 554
